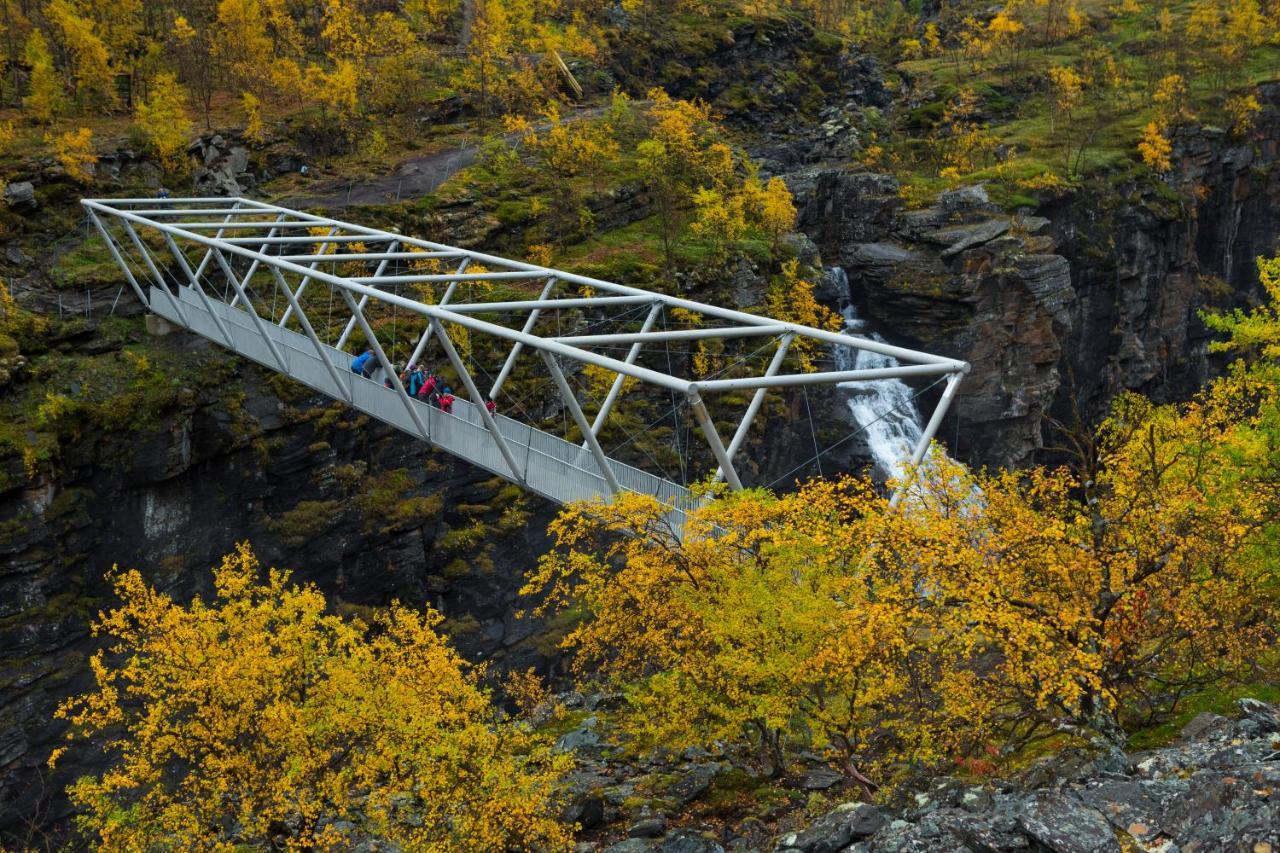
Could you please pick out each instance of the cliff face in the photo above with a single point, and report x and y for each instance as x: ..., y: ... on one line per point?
x: 365, y: 512
x: 1060, y: 311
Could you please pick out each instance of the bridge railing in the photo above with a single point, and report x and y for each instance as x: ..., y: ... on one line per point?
x: 547, y: 464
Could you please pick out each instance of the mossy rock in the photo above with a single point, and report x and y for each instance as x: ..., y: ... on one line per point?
x: 513, y: 212
x: 304, y: 522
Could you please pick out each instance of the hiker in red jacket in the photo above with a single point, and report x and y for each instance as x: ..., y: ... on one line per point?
x: 427, y: 392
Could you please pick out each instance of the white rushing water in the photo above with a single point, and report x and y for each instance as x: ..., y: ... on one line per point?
x: 882, y: 408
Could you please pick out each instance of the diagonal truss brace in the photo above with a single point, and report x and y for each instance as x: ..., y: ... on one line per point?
x: 447, y: 344
x: 279, y: 246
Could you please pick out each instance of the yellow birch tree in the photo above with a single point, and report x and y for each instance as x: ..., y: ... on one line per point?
x: 258, y: 718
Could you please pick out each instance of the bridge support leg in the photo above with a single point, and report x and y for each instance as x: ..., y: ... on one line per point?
x: 931, y: 429
x: 740, y: 434
x: 248, y: 305
x: 159, y: 278
x: 571, y: 402
x: 476, y: 399
x: 226, y: 220
x: 253, y: 267
x: 311, y: 333
x: 119, y: 259
x: 713, y: 438
x: 386, y: 364
x: 517, y: 347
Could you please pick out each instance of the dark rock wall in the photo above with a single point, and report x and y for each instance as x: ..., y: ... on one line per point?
x: 1062, y: 311
x: 170, y: 499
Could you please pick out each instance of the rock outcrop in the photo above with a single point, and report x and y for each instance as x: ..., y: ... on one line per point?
x: 1215, y: 789
x: 365, y: 512
x: 1058, y: 312
x: 961, y: 278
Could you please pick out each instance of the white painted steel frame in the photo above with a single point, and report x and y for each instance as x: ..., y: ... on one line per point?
x: 187, y: 218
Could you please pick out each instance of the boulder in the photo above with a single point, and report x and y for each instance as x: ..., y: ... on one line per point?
x: 628, y: 845
x: 1202, y: 723
x: 821, y: 778
x: 650, y: 827
x: 1064, y: 824
x: 836, y: 829
x: 688, y: 842
x: 988, y: 836
x: 958, y: 238
x: 694, y: 783
x: 1266, y: 716
x: 964, y: 198
x: 581, y: 738
x: 21, y: 196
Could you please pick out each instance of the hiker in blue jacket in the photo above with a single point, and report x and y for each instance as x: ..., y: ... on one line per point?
x: 413, y: 379
x: 363, y: 364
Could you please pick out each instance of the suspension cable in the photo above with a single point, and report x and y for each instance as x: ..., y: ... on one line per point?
x: 860, y: 429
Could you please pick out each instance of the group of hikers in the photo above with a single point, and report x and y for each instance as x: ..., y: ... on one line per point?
x: 421, y: 384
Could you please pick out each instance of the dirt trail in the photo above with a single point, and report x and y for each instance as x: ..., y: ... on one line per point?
x: 412, y: 179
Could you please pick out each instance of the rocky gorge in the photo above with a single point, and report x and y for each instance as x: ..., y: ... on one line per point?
x: 1058, y: 307
x: 1064, y: 306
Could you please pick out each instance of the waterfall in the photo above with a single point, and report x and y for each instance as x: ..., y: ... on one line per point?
x: 883, y: 409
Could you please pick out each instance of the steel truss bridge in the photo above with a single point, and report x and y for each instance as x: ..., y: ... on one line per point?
x: 206, y: 264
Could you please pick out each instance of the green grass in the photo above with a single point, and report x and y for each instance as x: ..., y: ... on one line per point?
x: 1019, y: 113
x: 1220, y: 700
x: 87, y: 264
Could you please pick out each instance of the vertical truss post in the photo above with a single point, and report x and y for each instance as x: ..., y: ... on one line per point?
x: 476, y: 399
x: 922, y: 446
x: 302, y: 285
x: 119, y: 259
x: 248, y: 304
x: 571, y: 402
x: 616, y: 388
x: 226, y: 220
x: 195, y: 285
x: 311, y: 333
x: 386, y: 364
x: 444, y: 300
x: 713, y: 437
x: 740, y: 434
x: 364, y: 298
x: 517, y: 347
x: 253, y: 267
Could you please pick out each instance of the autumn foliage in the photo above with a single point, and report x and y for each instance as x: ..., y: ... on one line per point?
x: 994, y: 609
x: 259, y: 719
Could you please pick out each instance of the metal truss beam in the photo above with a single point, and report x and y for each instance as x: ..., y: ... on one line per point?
x: 193, y: 222
x: 371, y: 256
x: 616, y: 388
x: 544, y: 304
x: 530, y: 321
x: 465, y: 375
x: 676, y: 335
x: 571, y: 403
